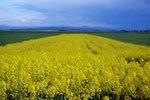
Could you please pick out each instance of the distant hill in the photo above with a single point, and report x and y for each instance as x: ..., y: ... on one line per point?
x: 68, y: 29
x: 55, y: 28
x: 3, y: 27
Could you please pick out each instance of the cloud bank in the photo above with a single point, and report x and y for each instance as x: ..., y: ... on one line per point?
x: 103, y: 13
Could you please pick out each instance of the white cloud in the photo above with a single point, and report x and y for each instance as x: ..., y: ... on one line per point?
x: 21, y: 17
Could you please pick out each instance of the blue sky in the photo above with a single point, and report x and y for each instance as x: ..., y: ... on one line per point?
x: 125, y: 14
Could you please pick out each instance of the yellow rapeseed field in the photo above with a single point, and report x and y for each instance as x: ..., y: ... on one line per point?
x: 74, y: 67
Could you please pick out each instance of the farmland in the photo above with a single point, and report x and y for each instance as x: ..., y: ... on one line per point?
x: 7, y: 37
x: 75, y: 67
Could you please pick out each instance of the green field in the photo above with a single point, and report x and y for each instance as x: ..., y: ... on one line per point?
x: 74, y: 66
x: 135, y: 38
x: 7, y: 37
